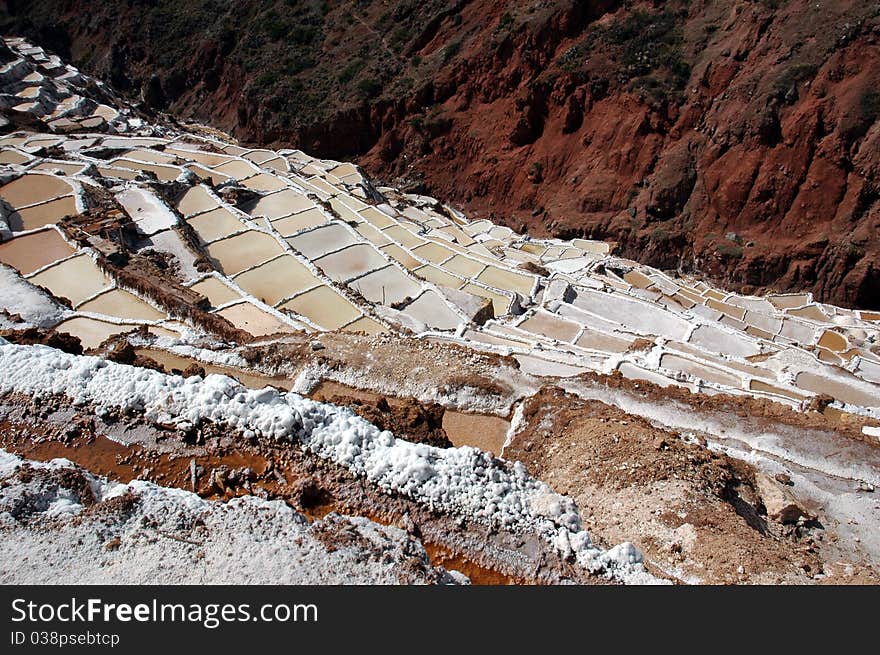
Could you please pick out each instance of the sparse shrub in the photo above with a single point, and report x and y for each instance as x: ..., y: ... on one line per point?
x: 275, y: 27
x: 647, y: 46
x: 369, y: 87
x: 451, y: 50
x: 730, y: 251
x: 349, y: 72
x: 267, y: 80
x: 870, y: 106
x: 505, y: 22
x: 785, y: 86
x: 660, y: 236
x: 400, y: 37
x: 536, y: 172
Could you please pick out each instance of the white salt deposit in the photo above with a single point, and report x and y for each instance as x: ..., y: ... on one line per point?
x: 171, y: 536
x: 17, y: 296
x: 459, y: 481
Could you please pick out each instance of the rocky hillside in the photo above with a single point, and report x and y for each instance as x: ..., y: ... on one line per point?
x: 734, y: 138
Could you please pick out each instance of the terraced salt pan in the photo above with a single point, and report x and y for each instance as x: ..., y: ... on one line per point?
x: 163, y: 172
x: 403, y: 236
x: 13, y: 140
x: 250, y: 318
x: 264, y: 182
x: 122, y: 304
x: 207, y: 174
x: 344, y: 170
x: 29, y: 92
x: 309, y: 170
x: 869, y: 370
x: 76, y: 279
x: 488, y: 433
x: 401, y: 256
x: 30, y: 252
x: 763, y: 322
x: 716, y: 340
x: 595, y: 247
x: 237, y: 169
x: 464, y: 266
x: 833, y: 341
x: 709, y: 373
x: 595, y: 340
x: 766, y: 387
x: 233, y: 149
x: 151, y: 156
x: 345, y: 211
x: 372, y: 234
x: 551, y: 326
x: 318, y: 242
x: 259, y: 155
x: 278, y: 164
x: 797, y: 331
x: 507, y: 280
x: 196, y: 200
x: 438, y: 276
x: 434, y: 253
x: 730, y: 310
x: 148, y: 212
x: 324, y: 307
x: 215, y: 224
x: 457, y: 235
x: 430, y: 309
x: 14, y: 157
x: 478, y: 227
x: 106, y: 112
x: 350, y: 201
x: 117, y: 173
x: 790, y: 301
x: 276, y: 280
x: 811, y: 312
x: 377, y: 218
x: 634, y: 372
x: 855, y: 393
x: 386, y: 286
x: 215, y: 291
x: 633, y: 314
x: 366, y: 325
x: 237, y: 253
x: 500, y: 303
x: 544, y: 367
x: 278, y: 205
x: 32, y: 188
x: 44, y: 214
x: 200, y: 156
x: 718, y: 361
x: 322, y: 185
x: 292, y: 225
x: 351, y: 262
x: 476, y: 336
x: 92, y: 332
x: 67, y: 168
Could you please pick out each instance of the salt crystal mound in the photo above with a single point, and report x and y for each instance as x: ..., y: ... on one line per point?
x: 463, y: 481
x: 246, y: 540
